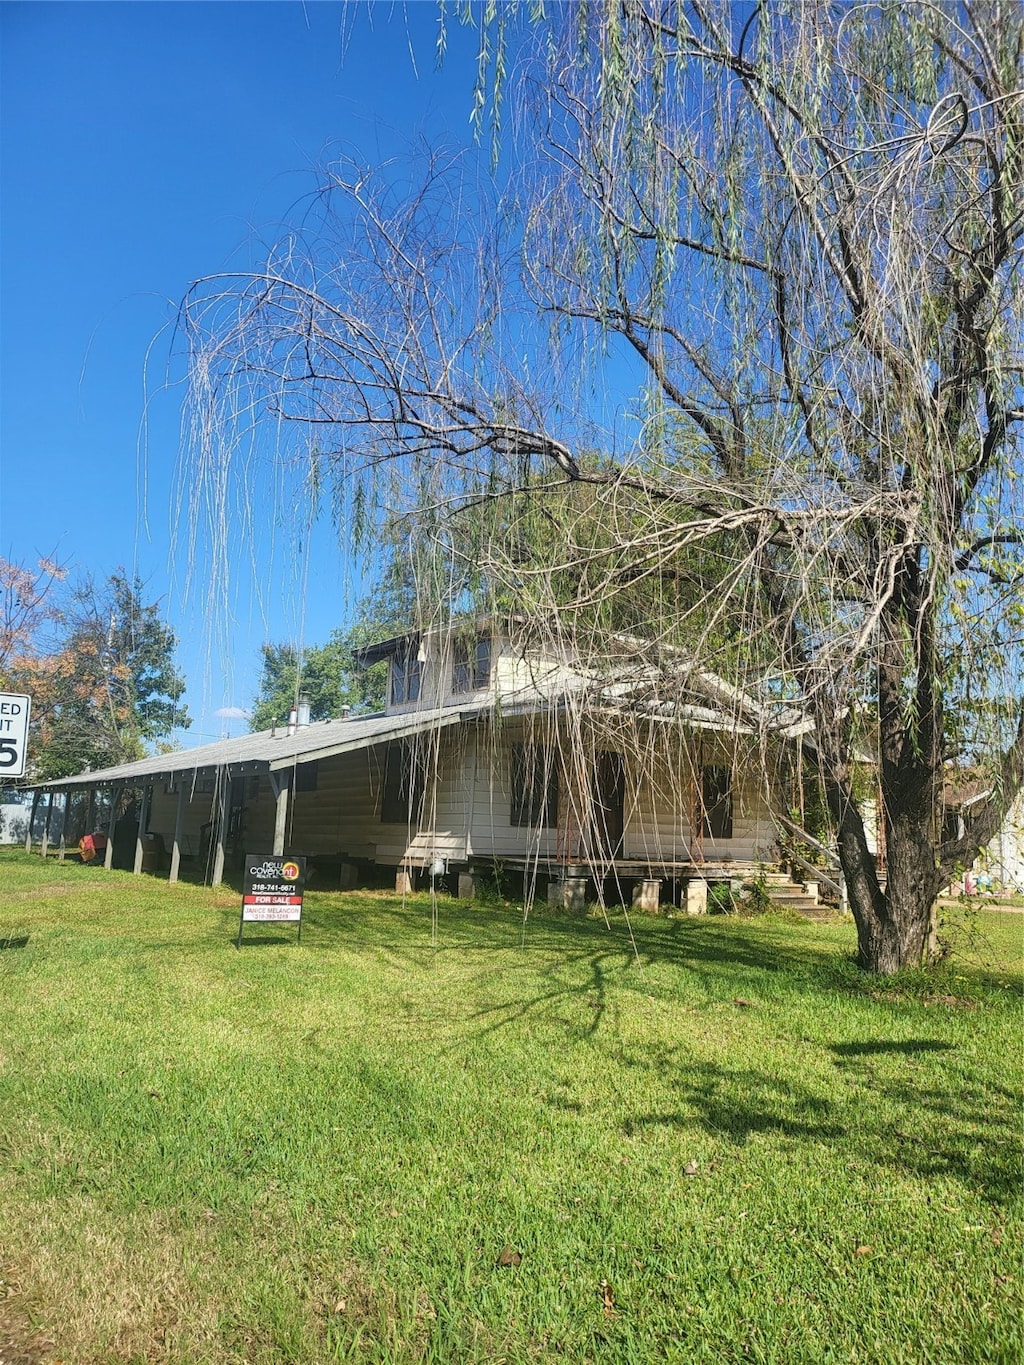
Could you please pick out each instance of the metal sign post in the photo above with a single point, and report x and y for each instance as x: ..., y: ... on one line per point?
x: 14, y: 714
x: 272, y: 891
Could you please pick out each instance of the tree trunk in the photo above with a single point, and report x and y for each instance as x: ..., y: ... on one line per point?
x: 892, y: 925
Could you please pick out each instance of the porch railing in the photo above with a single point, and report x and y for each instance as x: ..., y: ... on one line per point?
x: 836, y: 883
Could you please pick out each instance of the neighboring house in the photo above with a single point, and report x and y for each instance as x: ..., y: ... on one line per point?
x: 1002, y: 863
x: 1000, y: 866
x: 485, y: 756
x: 15, y: 807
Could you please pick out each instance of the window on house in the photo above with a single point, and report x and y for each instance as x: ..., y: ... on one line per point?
x: 404, y: 784
x: 405, y: 677
x: 471, y: 668
x: 534, y: 787
x: 716, y: 799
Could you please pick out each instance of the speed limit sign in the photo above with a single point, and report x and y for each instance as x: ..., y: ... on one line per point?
x: 14, y: 712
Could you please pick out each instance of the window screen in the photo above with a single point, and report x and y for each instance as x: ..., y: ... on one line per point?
x: 404, y: 784
x: 534, y: 787
x: 405, y: 677
x: 716, y: 798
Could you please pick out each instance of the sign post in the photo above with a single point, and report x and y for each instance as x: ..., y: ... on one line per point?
x: 272, y: 891
x: 14, y: 714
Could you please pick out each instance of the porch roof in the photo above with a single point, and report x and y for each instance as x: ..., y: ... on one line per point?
x: 270, y: 750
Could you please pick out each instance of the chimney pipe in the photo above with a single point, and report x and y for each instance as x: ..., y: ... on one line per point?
x: 303, y: 712
x: 346, y: 712
x: 293, y: 721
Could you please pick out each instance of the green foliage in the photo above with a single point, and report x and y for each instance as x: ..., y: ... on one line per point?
x: 493, y: 885
x: 721, y: 900
x: 756, y: 897
x: 107, y: 689
x: 328, y: 675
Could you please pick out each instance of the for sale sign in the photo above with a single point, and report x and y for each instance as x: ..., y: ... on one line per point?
x: 14, y: 713
x: 272, y: 890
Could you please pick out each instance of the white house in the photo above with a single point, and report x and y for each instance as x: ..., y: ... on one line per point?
x: 485, y: 756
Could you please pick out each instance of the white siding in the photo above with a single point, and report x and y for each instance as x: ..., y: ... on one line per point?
x: 660, y: 802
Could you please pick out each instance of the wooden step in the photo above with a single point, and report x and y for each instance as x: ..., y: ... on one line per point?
x: 784, y: 892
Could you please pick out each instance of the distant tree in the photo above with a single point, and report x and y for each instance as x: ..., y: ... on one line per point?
x: 29, y: 606
x: 99, y: 666
x: 328, y: 675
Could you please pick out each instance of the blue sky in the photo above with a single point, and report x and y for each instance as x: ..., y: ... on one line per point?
x: 144, y: 145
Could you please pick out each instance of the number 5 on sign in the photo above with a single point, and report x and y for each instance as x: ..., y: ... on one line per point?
x: 14, y: 713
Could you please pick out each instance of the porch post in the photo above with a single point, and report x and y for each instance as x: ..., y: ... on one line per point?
x: 46, y: 828
x: 696, y: 902
x: 179, y: 827
x: 143, y: 818
x: 279, y: 785
x: 64, y: 823
x: 72, y: 809
x: 224, y: 787
x: 115, y: 801
x: 32, y: 819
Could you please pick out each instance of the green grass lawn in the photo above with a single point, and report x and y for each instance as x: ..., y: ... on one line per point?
x: 729, y: 1146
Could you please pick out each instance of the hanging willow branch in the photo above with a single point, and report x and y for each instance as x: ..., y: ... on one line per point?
x: 788, y: 239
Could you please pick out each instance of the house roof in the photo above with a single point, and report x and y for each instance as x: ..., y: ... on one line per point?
x: 270, y: 750
x: 409, y: 641
x: 384, y: 649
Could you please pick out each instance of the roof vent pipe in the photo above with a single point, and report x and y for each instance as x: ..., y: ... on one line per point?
x: 303, y: 713
x: 346, y: 711
x: 293, y: 720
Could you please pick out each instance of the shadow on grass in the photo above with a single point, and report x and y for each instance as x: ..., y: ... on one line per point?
x: 907, y: 1046
x: 273, y: 941
x: 687, y: 943
x: 932, y: 1129
x: 20, y: 942
x: 808, y: 956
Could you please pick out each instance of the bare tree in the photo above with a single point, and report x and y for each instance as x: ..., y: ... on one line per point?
x: 802, y: 226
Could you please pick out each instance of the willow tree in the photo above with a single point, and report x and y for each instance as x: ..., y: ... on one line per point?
x: 790, y: 236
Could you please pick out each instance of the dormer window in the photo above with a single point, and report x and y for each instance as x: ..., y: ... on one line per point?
x: 405, y: 677
x: 471, y: 666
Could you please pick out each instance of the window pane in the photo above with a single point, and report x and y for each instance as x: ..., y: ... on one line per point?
x: 471, y: 664
x: 397, y: 679
x: 405, y: 678
x: 460, y: 667
x: 482, y: 671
